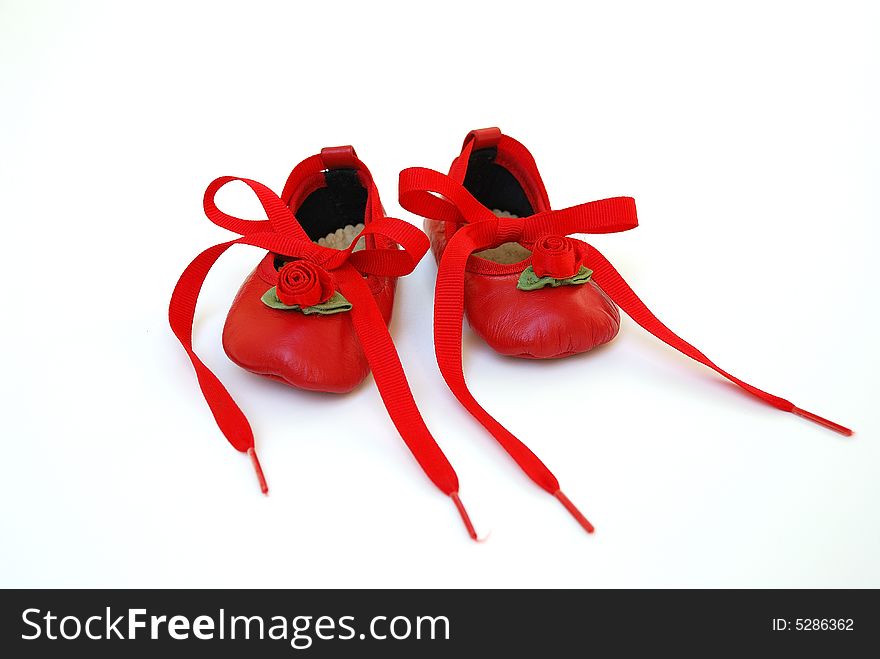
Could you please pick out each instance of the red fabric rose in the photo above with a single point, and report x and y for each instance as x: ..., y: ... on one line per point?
x: 557, y: 257
x: 303, y: 283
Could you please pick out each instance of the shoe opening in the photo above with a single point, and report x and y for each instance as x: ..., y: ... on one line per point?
x: 333, y: 215
x: 497, y: 189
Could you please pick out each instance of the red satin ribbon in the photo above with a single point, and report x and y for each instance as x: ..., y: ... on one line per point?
x: 439, y: 197
x: 282, y: 234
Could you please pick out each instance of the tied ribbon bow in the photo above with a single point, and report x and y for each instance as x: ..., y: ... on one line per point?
x: 439, y: 197
x: 282, y: 234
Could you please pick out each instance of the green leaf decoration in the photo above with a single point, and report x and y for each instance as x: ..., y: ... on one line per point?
x: 336, y: 304
x: 529, y: 281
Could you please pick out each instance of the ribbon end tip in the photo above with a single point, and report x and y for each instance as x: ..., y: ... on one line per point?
x: 573, y: 510
x: 261, y: 478
x: 464, y: 516
x: 825, y: 423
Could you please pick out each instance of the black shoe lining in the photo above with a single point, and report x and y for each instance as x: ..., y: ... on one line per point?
x: 494, y: 186
x: 341, y: 203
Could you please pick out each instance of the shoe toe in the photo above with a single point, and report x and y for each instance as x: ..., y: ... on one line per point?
x: 314, y: 352
x: 540, y: 324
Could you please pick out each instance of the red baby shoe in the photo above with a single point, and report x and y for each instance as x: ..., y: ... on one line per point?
x: 553, y: 320
x: 314, y: 312
x: 330, y: 196
x: 507, y: 263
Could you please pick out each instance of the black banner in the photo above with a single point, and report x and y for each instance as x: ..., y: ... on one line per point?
x: 423, y: 623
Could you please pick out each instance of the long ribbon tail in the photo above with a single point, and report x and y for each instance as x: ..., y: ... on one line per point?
x: 181, y: 311
x: 610, y: 280
x: 448, y: 314
x: 394, y: 389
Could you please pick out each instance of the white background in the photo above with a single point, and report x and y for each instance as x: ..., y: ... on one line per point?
x: 749, y: 138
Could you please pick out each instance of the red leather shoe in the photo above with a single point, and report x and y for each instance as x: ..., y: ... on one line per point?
x: 314, y: 312
x: 551, y: 321
x: 507, y: 263
x: 330, y: 202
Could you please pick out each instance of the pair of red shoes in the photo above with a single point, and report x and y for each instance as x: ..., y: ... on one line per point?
x: 314, y: 312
